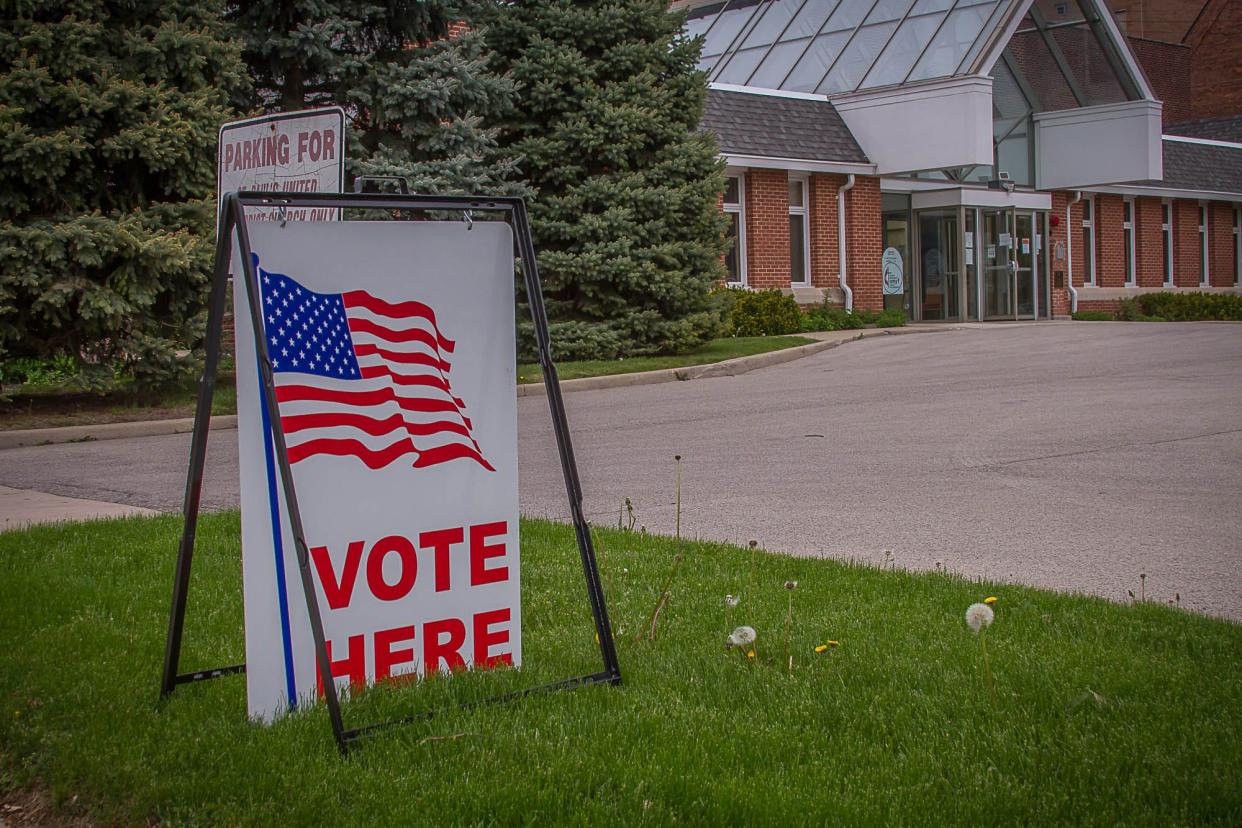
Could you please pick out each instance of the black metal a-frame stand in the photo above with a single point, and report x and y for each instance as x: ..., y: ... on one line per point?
x: 232, y: 223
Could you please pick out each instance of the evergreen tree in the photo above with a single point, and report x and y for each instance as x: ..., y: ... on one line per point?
x: 413, y: 78
x: 109, y: 113
x: 625, y: 213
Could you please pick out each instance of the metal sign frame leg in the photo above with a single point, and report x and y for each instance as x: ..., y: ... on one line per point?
x: 233, y: 222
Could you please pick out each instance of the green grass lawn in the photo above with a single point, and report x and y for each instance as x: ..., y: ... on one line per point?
x: 1105, y: 714
x: 718, y: 350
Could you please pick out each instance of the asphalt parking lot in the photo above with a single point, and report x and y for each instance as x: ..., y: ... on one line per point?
x: 1076, y: 456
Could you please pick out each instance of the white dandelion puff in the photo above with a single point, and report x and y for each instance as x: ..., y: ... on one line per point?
x: 791, y: 585
x: 732, y: 601
x: 979, y: 616
x: 742, y: 637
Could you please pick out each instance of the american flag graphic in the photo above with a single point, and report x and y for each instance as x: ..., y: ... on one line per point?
x: 357, y: 376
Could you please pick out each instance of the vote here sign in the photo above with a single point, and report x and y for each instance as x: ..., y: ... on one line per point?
x: 392, y: 347
x: 288, y: 152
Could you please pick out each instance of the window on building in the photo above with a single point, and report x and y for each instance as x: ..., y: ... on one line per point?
x: 1204, y: 269
x: 735, y: 258
x: 1127, y: 234
x: 1237, y: 245
x: 1166, y: 232
x: 1088, y: 241
x: 799, y: 238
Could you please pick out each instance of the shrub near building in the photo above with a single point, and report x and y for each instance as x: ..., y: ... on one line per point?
x: 765, y: 313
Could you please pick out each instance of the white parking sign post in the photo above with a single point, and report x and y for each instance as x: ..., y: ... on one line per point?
x: 287, y: 152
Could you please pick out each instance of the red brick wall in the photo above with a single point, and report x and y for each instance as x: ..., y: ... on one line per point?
x: 1148, y: 243
x: 1186, y: 246
x: 767, y: 233
x: 1110, y: 264
x: 1105, y: 305
x: 864, y: 241
x: 767, y: 229
x: 1220, y: 236
x: 1060, y: 296
x: 823, y: 221
x: 1167, y: 66
x: 1079, y: 263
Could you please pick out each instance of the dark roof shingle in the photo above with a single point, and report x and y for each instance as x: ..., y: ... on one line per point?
x: 778, y: 127
x: 1228, y: 128
x: 1202, y: 167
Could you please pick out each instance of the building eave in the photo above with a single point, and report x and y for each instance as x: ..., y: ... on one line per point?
x: 765, y: 162
x: 1158, y: 191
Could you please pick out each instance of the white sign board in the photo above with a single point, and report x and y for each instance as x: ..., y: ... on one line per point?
x: 290, y: 152
x: 894, y: 272
x: 393, y: 351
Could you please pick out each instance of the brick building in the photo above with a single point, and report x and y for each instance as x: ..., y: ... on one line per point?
x: 973, y: 159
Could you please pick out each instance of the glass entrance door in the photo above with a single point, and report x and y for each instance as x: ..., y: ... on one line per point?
x: 939, y: 264
x: 1024, y: 254
x: 998, y: 263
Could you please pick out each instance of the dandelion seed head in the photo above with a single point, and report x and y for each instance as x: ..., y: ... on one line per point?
x: 742, y: 636
x: 979, y: 616
x: 791, y: 585
x: 732, y: 601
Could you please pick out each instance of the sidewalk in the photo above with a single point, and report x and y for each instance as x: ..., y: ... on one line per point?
x: 20, y: 508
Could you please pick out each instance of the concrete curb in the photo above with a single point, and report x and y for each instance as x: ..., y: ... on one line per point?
x: 729, y: 368
x: 107, y: 431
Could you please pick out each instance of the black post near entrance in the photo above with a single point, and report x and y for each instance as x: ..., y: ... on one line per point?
x: 232, y: 224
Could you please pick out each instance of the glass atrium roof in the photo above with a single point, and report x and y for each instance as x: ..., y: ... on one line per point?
x: 835, y: 46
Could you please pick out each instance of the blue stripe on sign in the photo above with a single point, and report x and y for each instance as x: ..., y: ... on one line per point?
x: 278, y: 547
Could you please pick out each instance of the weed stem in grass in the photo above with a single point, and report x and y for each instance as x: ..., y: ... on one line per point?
x: 750, y: 578
x: 661, y: 601
x: 790, y: 586
x: 677, y: 466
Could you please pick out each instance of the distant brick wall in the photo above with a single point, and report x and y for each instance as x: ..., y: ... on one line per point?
x: 767, y: 229
x: 1167, y: 66
x: 1166, y: 20
x: 1216, y: 60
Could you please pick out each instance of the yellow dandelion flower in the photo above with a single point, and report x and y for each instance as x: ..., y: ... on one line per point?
x: 750, y: 654
x: 991, y: 599
x: 821, y: 648
x: 832, y: 643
